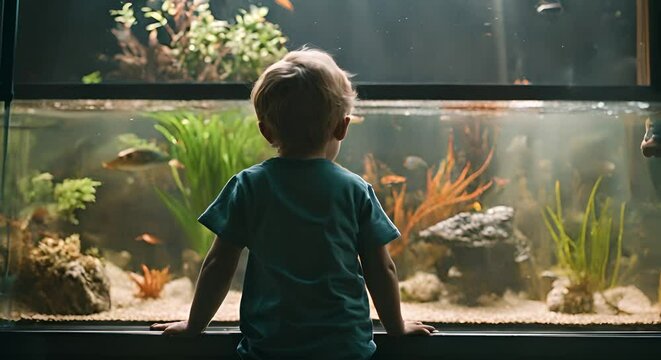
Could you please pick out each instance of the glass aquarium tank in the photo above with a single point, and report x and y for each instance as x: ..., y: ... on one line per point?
x: 504, y: 147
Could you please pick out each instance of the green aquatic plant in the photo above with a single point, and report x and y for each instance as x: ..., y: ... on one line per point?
x: 187, y: 42
x: 72, y: 194
x: 39, y: 189
x: 211, y: 149
x: 253, y: 44
x: 587, y: 257
x: 92, y: 78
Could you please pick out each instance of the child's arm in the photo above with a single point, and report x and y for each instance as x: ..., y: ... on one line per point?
x: 381, y: 278
x: 212, y: 286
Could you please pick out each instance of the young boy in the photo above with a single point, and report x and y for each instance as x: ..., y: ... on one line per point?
x: 306, y: 222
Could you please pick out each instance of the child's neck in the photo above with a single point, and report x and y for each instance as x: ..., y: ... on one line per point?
x: 320, y: 154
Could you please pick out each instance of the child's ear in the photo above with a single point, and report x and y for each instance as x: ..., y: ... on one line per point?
x: 266, y: 132
x: 341, y: 130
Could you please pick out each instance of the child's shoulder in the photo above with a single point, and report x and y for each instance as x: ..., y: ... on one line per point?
x: 350, y: 176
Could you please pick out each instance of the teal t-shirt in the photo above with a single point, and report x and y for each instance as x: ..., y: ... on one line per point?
x: 302, y: 221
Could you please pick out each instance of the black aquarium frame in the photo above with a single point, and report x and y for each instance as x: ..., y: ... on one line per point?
x: 112, y: 340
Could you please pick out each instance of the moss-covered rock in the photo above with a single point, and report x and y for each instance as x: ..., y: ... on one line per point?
x: 59, y: 279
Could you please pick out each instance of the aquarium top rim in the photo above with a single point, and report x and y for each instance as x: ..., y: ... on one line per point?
x: 366, y: 91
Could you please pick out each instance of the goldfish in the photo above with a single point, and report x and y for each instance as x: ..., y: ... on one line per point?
x: 137, y: 159
x: 285, y: 4
x: 149, y: 239
x: 477, y: 206
x: 392, y: 180
x: 415, y: 162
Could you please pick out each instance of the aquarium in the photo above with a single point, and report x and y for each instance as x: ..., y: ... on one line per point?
x: 505, y: 148
x: 491, y: 198
x: 450, y: 42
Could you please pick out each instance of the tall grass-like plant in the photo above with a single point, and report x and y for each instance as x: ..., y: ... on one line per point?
x: 586, y: 257
x: 212, y: 148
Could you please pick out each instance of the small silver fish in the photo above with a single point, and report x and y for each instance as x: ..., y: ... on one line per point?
x: 137, y: 159
x: 414, y: 163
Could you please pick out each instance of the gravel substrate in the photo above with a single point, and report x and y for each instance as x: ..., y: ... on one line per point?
x: 175, y: 303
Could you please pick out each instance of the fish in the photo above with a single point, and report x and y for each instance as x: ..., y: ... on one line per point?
x: 549, y: 7
x: 149, y: 239
x: 139, y: 159
x: 501, y: 182
x: 414, y: 163
x: 40, y: 215
x: 477, y: 206
x: 392, y: 180
x: 518, y: 144
x: 522, y: 81
x: 651, y: 144
x: 285, y: 4
x: 356, y: 119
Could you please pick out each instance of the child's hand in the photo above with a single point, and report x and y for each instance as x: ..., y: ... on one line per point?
x: 417, y: 328
x: 174, y: 328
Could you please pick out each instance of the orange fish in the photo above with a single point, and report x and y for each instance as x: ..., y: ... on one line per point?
x: 501, y: 181
x: 392, y: 180
x: 522, y: 81
x: 477, y: 206
x: 149, y: 239
x: 285, y: 4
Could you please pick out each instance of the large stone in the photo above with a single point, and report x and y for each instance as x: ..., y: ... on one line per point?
x: 485, y: 254
x: 622, y: 300
x: 59, y: 279
x: 569, y: 299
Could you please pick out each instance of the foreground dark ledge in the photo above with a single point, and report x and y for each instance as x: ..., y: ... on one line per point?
x: 44, y: 341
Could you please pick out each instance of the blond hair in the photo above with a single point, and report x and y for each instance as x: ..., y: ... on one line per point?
x: 302, y: 98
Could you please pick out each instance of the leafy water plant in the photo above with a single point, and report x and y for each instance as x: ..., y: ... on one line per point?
x: 586, y: 257
x: 212, y: 148
x: 186, y: 42
x: 445, y: 196
x: 39, y: 192
x: 72, y: 194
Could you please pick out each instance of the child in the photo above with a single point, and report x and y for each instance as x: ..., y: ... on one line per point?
x: 306, y: 222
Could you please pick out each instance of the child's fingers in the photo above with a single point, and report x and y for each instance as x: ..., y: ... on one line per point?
x: 159, y: 327
x: 429, y: 328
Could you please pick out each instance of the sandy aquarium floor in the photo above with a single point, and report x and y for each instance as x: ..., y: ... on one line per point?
x: 177, y: 294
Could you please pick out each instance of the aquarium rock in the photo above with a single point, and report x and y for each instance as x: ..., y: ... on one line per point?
x: 474, y: 229
x: 485, y: 254
x: 59, y: 279
x: 625, y: 300
x: 421, y: 287
x: 569, y: 299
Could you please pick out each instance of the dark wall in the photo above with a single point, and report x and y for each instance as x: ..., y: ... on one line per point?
x: 592, y: 42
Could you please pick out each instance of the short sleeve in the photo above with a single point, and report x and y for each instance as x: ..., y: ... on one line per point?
x: 225, y: 216
x: 375, y: 228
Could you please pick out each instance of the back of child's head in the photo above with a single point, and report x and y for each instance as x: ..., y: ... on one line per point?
x: 301, y: 99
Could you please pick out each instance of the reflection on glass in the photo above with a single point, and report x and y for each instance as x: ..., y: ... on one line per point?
x: 490, y: 197
x: 443, y: 42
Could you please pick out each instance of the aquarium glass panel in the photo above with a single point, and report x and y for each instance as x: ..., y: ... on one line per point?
x: 491, y: 199
x: 380, y: 41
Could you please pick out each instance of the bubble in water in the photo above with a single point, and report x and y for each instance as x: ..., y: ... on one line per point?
x: 131, y: 119
x: 601, y: 105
